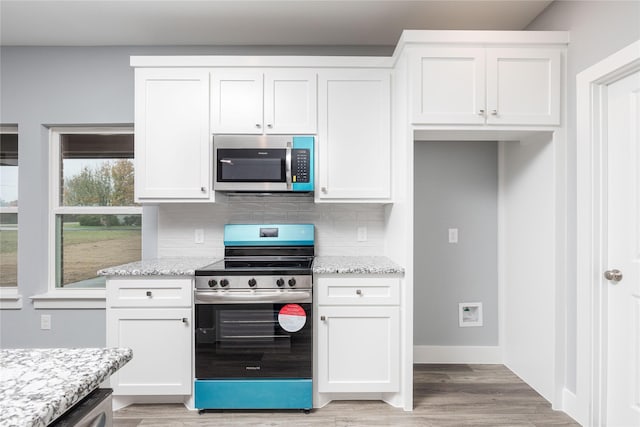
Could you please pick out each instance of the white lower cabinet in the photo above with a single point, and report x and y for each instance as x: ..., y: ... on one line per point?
x: 158, y: 328
x: 358, y: 335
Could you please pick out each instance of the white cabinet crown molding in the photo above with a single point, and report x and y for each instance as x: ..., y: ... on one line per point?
x: 291, y: 61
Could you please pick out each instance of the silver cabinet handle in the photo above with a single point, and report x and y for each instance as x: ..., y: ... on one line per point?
x: 270, y: 126
x: 323, y: 318
x: 494, y: 112
x: 481, y: 112
x: 613, y: 275
x: 149, y: 294
x: 258, y: 125
x: 203, y: 189
x: 358, y: 291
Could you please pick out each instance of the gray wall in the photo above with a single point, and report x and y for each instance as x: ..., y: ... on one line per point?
x: 89, y: 85
x: 597, y: 30
x: 456, y: 186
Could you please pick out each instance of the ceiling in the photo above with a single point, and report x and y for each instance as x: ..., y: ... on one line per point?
x: 240, y: 22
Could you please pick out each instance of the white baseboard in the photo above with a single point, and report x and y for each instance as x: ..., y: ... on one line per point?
x: 571, y: 406
x: 457, y: 354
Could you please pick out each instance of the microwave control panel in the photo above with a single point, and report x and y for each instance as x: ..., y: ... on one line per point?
x: 300, y: 165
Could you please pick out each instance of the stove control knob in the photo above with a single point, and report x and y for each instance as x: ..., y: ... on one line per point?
x: 292, y: 282
x: 280, y: 282
x: 224, y: 283
x: 252, y: 283
x: 213, y: 283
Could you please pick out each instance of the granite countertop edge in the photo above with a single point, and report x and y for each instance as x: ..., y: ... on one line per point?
x: 186, y: 266
x: 356, y: 265
x: 39, y: 385
x: 174, y: 266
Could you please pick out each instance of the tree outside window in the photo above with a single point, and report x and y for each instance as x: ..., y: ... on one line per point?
x: 96, y: 222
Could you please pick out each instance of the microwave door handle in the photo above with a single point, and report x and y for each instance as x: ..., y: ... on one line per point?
x: 287, y: 169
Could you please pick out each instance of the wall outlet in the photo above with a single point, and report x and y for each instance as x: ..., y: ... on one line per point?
x: 362, y: 233
x: 45, y: 321
x: 198, y: 235
x: 470, y: 314
x: 453, y: 235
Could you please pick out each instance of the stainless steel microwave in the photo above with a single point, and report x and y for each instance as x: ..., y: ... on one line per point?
x: 263, y: 163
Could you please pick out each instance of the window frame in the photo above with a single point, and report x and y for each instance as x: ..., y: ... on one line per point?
x: 10, y: 297
x: 58, y: 297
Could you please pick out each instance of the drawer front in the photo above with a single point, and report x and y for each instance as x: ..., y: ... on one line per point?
x: 358, y: 291
x: 149, y: 293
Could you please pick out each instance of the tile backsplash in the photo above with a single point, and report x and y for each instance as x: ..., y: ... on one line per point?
x: 336, y: 224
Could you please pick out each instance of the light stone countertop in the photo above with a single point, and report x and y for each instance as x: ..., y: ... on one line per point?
x: 176, y: 266
x: 39, y: 385
x: 355, y: 265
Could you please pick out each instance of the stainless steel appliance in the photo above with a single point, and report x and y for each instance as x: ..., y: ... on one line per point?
x: 253, y: 320
x: 263, y: 163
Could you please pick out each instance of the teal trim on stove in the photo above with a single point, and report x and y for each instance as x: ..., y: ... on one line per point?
x: 253, y: 394
x: 305, y: 142
x: 288, y: 235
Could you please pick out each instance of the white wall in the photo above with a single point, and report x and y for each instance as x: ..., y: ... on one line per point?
x: 528, y: 255
x: 597, y: 29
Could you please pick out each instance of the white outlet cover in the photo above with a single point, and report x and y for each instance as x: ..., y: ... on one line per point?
x: 199, y: 235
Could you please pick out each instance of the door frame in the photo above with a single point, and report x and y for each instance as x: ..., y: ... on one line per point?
x: 588, y: 405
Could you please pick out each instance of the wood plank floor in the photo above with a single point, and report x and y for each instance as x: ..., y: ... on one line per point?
x: 444, y: 395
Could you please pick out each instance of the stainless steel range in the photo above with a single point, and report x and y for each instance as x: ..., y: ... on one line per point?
x: 253, y: 320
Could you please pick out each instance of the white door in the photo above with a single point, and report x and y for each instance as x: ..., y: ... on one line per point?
x: 623, y: 295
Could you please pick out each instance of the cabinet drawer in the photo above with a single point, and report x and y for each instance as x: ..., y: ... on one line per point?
x: 149, y: 293
x: 358, y: 291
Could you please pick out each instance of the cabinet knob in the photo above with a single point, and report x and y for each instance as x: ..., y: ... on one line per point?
x: 184, y: 320
x: 258, y: 125
x: 324, y: 190
x: 481, y: 112
x: 494, y: 112
x: 203, y: 189
x: 149, y: 294
x: 358, y: 291
x: 270, y: 126
x: 323, y: 318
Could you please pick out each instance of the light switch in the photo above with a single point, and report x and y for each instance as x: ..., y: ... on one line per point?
x: 453, y: 235
x: 362, y: 234
x: 199, y: 235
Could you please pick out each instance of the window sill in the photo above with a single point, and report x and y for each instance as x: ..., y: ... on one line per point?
x: 10, y: 299
x: 85, y: 298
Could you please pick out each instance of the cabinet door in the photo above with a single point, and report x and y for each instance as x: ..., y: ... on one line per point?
x: 448, y: 85
x: 523, y: 86
x: 172, y: 147
x: 290, y: 102
x: 354, y: 139
x: 358, y: 349
x: 236, y: 101
x: 161, y: 343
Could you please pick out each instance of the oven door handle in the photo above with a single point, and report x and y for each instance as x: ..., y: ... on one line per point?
x: 226, y: 297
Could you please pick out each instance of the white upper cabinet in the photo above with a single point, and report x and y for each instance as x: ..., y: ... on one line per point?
x: 523, y: 86
x: 256, y: 102
x: 172, y: 139
x: 498, y: 86
x: 354, y: 135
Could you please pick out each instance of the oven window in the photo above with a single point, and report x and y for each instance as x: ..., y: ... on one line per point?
x: 241, y: 165
x: 248, y: 340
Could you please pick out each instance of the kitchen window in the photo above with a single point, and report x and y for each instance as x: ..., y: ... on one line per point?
x: 9, y: 297
x: 94, y: 221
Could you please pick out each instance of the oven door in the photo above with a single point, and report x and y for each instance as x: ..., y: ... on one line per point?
x: 259, y: 340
